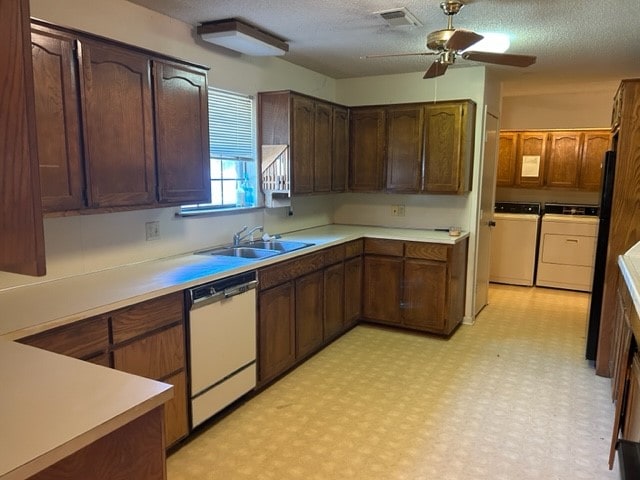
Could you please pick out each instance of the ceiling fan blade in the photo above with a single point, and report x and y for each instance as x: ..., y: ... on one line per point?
x: 436, y: 69
x: 383, y: 55
x: 462, y: 39
x: 501, y: 58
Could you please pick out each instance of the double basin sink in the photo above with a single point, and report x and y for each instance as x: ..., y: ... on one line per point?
x: 256, y: 250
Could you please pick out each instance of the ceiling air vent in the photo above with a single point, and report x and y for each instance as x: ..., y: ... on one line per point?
x: 399, y: 17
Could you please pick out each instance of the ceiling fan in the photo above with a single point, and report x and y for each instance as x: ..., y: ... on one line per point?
x: 449, y: 43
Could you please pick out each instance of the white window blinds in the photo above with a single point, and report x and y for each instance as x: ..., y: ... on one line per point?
x: 230, y: 126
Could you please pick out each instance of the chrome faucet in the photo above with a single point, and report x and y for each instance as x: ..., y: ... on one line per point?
x: 238, y: 237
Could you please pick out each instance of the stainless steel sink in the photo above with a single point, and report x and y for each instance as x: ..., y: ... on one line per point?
x: 242, y: 252
x: 280, y: 246
x: 256, y: 250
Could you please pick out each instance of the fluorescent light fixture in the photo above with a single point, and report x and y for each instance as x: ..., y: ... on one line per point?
x: 492, y: 42
x: 242, y: 37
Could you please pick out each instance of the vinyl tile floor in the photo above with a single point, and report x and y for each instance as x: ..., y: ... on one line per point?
x: 510, y: 397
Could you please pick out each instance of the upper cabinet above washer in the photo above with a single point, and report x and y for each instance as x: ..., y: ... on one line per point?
x: 568, y: 159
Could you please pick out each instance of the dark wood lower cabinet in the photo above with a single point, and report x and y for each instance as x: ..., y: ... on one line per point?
x: 352, y: 290
x: 424, y: 300
x: 382, y: 283
x: 309, y: 313
x: 334, y: 296
x: 276, y: 326
x: 146, y: 339
x: 135, y: 450
x: 419, y: 285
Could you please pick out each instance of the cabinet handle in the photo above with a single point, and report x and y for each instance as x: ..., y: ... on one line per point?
x: 571, y: 240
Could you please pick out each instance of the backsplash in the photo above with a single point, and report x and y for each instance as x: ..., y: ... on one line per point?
x: 81, y: 244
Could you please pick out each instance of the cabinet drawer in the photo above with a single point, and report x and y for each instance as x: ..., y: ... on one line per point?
x: 283, y: 272
x: 145, y: 317
x: 155, y: 356
x: 84, y: 339
x: 333, y: 255
x: 353, y: 249
x: 428, y: 251
x: 383, y: 247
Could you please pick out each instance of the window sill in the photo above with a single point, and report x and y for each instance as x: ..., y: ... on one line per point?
x: 214, y: 212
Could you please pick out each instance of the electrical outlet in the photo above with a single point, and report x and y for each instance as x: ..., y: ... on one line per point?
x: 152, y: 230
x: 397, y: 210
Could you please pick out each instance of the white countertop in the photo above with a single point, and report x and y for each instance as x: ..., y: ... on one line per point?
x: 33, y: 308
x: 52, y: 406
x: 629, y: 264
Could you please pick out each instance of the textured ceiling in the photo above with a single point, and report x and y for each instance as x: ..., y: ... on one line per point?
x: 589, y: 40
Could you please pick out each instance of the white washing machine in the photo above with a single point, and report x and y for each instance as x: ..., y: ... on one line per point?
x: 514, y: 243
x: 567, y: 246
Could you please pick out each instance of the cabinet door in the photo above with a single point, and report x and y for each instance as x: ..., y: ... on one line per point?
x: 57, y: 120
x: 322, y: 147
x: 21, y: 230
x: 302, y: 148
x: 594, y: 146
x: 182, y: 133
x: 424, y: 294
x: 449, y: 147
x: 176, y: 420
x: 340, y: 157
x: 405, y: 129
x: 309, y: 313
x: 563, y: 159
x: 277, y: 335
x: 382, y: 278
x: 118, y: 126
x: 366, y: 149
x: 334, y: 305
x: 530, y: 160
x: 507, y: 160
x: 352, y: 290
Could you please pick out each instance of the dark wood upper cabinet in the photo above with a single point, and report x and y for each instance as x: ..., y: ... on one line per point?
x: 340, y: 156
x: 405, y: 125
x: 505, y: 174
x: 563, y: 159
x: 109, y: 139
x: 21, y: 229
x: 366, y: 149
x: 594, y: 146
x: 322, y: 147
x: 182, y: 133
x: 57, y: 120
x: 302, y: 147
x: 449, y: 139
x: 530, y: 159
x: 317, y: 136
x: 118, y: 126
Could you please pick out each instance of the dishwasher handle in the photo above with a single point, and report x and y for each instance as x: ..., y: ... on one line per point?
x: 239, y: 289
x: 218, y: 296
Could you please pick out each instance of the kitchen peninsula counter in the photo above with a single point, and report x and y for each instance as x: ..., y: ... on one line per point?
x: 53, y: 407
x: 33, y: 308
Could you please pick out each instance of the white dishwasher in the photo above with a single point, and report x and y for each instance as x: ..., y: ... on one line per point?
x: 222, y: 343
